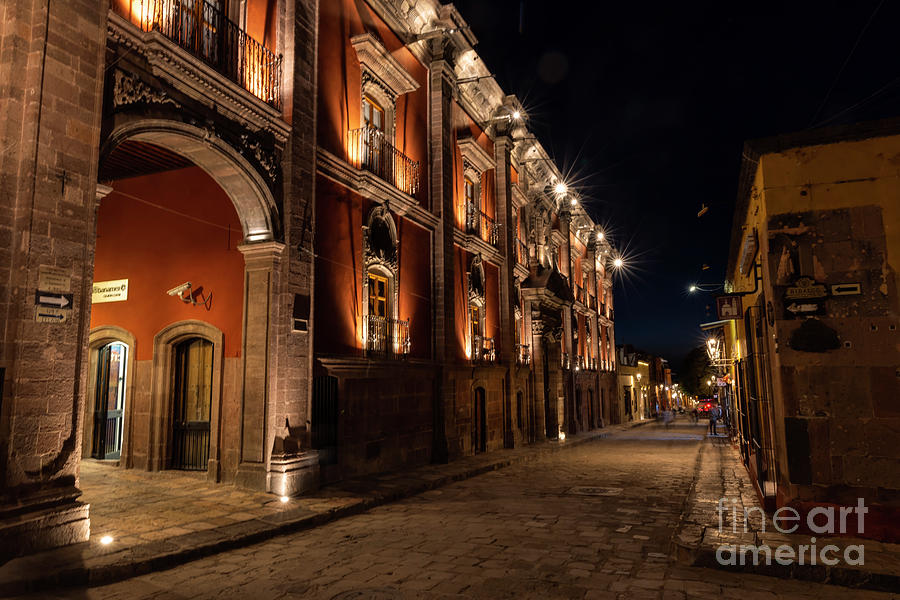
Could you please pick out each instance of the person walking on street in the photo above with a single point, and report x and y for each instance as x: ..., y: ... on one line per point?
x: 713, y: 416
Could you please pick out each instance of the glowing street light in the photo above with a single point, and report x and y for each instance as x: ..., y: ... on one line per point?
x: 618, y: 262
x: 561, y: 189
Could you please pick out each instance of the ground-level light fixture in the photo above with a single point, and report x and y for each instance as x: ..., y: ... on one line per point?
x: 106, y: 540
x: 284, y: 499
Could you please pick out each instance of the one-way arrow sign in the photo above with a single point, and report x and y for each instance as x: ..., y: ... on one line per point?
x: 52, y: 299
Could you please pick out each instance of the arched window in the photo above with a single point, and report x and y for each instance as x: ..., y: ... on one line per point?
x: 384, y: 332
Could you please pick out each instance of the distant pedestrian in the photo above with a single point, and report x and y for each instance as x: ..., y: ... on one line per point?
x: 668, y: 417
x: 695, y: 415
x: 713, y: 417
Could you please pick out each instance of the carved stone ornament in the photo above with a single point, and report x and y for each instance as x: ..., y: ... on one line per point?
x: 380, y: 239
x: 476, y: 280
x: 128, y: 89
x: 265, y: 159
x: 374, y: 56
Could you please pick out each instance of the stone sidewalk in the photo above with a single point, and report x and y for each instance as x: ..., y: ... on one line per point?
x: 158, y: 520
x: 719, y: 473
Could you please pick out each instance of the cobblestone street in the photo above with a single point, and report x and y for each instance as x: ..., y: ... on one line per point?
x: 595, y: 521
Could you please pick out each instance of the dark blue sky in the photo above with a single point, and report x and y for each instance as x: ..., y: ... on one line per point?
x: 649, y: 104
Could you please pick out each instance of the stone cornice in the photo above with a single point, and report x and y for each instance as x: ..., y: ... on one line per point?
x: 369, y: 367
x: 373, y: 56
x: 475, y: 154
x: 196, y: 80
x: 475, y: 245
x: 371, y: 186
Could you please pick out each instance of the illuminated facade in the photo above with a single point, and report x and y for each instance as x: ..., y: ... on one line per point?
x: 814, y: 351
x: 153, y: 315
x: 275, y: 242
x: 462, y: 299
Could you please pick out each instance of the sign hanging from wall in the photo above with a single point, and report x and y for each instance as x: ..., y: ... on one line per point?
x: 115, y: 290
x: 729, y: 307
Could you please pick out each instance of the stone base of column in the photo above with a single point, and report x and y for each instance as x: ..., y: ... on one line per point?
x: 251, y: 476
x: 48, y: 525
x: 293, y: 474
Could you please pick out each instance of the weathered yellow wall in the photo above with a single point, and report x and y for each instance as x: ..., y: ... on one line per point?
x: 841, y: 203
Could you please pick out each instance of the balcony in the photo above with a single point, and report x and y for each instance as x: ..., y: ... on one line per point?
x: 388, y: 338
x: 521, y: 253
x: 482, y: 225
x: 483, y: 349
x: 523, y: 354
x: 370, y: 150
x: 201, y: 28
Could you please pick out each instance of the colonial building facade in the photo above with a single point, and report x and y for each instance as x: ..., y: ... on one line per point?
x: 812, y: 347
x: 276, y: 242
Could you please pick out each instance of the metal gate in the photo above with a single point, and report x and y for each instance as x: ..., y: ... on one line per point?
x: 759, y: 398
x: 324, y: 425
x: 109, y: 401
x: 192, y: 403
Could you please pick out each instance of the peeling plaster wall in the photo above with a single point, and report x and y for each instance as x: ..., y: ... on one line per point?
x: 830, y: 215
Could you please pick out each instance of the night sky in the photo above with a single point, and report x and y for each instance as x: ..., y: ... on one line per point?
x: 649, y: 104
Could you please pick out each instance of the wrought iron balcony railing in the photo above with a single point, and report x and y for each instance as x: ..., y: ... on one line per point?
x: 521, y: 253
x: 580, y: 363
x: 523, y: 354
x: 201, y: 28
x: 387, y: 337
x: 370, y: 150
x: 483, y: 349
x: 482, y: 225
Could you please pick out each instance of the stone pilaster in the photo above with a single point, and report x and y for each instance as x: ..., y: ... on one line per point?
x: 261, y: 286
x: 506, y: 216
x: 51, y: 57
x: 443, y: 81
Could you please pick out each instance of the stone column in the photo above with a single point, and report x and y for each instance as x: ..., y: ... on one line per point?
x: 50, y: 135
x: 505, y: 215
x: 261, y: 285
x: 442, y: 83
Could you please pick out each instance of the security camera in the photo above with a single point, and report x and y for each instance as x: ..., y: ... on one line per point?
x: 179, y: 290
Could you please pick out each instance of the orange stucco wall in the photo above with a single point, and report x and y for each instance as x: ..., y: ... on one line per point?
x: 340, y: 214
x: 261, y: 21
x: 159, y: 231
x: 415, y: 286
x: 340, y: 84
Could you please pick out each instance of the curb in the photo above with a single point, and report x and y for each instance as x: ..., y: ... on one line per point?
x: 688, y: 548
x: 167, y: 553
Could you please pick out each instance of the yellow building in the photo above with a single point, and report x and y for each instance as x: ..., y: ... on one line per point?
x: 815, y: 347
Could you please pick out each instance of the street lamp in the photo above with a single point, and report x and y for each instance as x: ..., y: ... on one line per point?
x: 705, y: 287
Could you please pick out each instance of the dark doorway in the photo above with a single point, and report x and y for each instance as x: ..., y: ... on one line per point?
x: 109, y: 401
x: 325, y: 418
x: 578, y: 407
x: 549, y: 423
x: 479, y: 421
x: 193, y: 400
x: 591, y: 423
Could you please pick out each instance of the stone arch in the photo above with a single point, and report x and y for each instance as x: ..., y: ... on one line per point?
x: 161, y: 390
x: 245, y: 186
x: 97, y: 338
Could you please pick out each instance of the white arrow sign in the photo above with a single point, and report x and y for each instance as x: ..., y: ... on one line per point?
x: 802, y: 308
x: 60, y: 301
